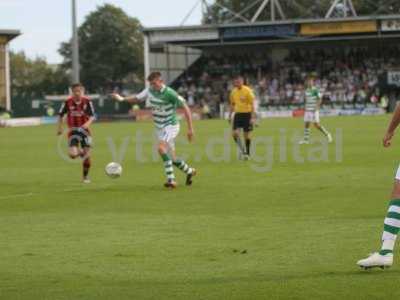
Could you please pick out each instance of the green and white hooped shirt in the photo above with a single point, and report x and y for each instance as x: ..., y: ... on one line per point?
x: 163, y: 104
x: 312, y: 97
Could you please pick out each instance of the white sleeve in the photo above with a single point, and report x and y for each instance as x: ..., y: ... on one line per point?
x: 142, y: 96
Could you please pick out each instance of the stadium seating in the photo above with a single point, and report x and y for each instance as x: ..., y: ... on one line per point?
x: 346, y: 76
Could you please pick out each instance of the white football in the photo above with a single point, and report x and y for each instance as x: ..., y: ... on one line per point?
x: 113, y: 170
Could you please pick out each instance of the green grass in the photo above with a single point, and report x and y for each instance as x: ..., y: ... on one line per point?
x: 303, y: 225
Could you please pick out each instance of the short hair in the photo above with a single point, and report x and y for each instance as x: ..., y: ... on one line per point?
x: 153, y: 76
x: 75, y: 85
x: 238, y: 76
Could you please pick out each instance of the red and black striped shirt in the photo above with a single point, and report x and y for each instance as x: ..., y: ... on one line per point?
x: 78, y: 112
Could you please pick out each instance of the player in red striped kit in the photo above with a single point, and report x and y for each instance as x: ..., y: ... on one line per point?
x: 80, y: 115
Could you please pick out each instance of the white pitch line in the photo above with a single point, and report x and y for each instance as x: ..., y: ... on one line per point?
x: 17, y: 196
x: 34, y: 194
x: 71, y: 190
x: 84, y: 190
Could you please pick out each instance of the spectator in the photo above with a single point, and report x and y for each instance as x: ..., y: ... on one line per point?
x: 345, y: 76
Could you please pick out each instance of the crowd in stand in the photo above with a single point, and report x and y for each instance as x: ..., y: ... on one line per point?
x: 344, y: 76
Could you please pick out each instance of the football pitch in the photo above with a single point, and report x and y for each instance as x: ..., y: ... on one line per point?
x: 285, y: 228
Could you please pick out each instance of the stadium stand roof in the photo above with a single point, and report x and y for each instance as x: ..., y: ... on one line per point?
x: 217, y: 33
x: 278, y: 22
x: 9, y: 33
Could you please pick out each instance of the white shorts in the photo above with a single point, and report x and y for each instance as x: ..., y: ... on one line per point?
x: 168, y: 134
x: 311, y: 116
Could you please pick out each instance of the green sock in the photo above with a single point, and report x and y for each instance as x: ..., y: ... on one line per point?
x: 306, y: 134
x: 324, y: 131
x: 183, y: 166
x: 169, y: 170
x: 391, y: 227
x: 165, y: 157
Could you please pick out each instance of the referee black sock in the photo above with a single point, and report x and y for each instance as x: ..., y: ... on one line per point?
x: 238, y: 142
x: 248, y: 144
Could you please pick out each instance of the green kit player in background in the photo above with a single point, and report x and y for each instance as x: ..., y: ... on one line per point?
x: 312, y: 105
x: 384, y: 258
x: 164, y: 102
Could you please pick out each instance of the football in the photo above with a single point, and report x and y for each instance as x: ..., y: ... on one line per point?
x: 113, y: 170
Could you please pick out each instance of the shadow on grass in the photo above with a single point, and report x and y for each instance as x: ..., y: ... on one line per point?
x: 259, y: 278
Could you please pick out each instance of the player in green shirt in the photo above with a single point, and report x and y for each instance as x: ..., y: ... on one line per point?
x: 164, y: 102
x: 312, y: 105
x: 391, y: 228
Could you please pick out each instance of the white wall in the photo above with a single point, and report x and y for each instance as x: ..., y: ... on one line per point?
x: 172, y: 60
x: 3, y: 75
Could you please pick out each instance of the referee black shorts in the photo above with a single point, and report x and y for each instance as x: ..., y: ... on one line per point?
x: 242, y: 121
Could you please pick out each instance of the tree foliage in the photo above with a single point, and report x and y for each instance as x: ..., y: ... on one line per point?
x: 111, y: 48
x: 35, y: 77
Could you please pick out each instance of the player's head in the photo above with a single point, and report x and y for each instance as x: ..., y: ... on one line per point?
x: 155, y: 80
x: 310, y: 82
x: 238, y: 81
x: 77, y: 90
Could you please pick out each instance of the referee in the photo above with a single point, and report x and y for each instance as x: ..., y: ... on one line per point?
x: 243, y: 113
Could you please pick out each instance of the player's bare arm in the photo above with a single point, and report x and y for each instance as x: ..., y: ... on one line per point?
x: 60, y: 122
x: 231, y: 112
x: 130, y: 99
x: 231, y: 108
x: 319, y: 104
x: 253, y: 113
x: 88, y: 123
x: 188, y: 116
x: 394, y: 123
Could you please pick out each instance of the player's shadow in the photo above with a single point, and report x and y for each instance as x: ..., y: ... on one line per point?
x: 360, y: 272
x: 323, y: 275
x: 145, y: 189
x: 284, y: 278
x: 137, y: 188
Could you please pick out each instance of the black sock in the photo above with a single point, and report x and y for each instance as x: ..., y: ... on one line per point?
x: 248, y: 144
x: 239, y: 143
x: 86, y: 167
